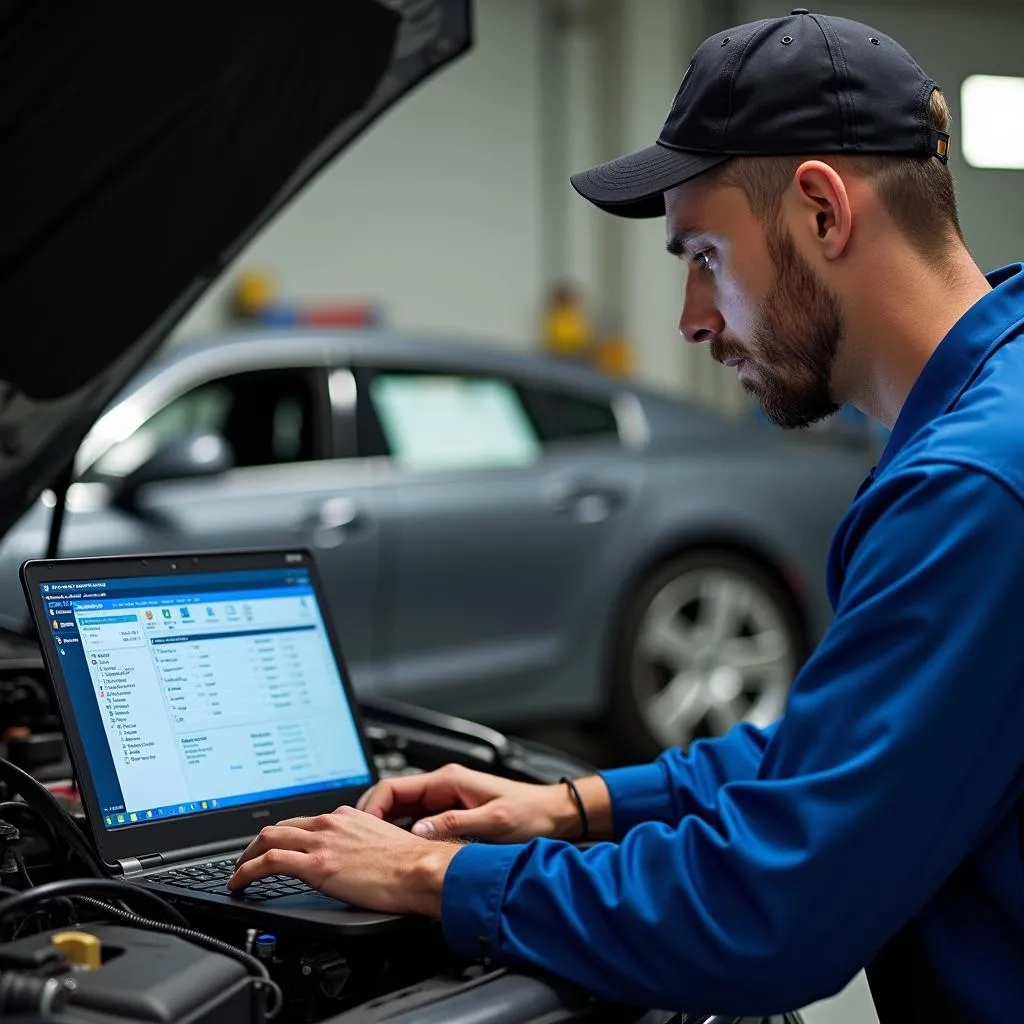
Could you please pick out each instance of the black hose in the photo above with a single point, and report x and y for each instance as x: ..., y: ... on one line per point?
x: 75, y: 886
x: 36, y: 997
x: 40, y: 799
x: 257, y: 969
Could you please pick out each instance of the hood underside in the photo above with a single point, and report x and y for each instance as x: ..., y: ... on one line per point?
x: 142, y: 147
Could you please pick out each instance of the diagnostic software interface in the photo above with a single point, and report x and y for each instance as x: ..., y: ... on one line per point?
x: 196, y: 693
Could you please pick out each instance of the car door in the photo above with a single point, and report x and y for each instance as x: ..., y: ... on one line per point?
x: 286, y: 489
x: 497, y: 524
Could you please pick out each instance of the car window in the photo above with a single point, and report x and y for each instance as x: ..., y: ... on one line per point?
x: 433, y: 421
x: 561, y: 416
x: 266, y: 416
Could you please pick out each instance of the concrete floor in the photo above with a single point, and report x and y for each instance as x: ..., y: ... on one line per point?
x: 852, y: 1006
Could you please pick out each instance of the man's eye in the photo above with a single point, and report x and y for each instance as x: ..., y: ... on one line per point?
x: 703, y: 260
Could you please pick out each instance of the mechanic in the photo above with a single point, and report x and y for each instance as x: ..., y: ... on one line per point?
x: 802, y: 173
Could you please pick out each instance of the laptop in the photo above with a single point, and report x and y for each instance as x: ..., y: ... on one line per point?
x: 203, y: 697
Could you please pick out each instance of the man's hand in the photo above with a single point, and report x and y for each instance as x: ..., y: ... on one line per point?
x: 352, y: 856
x: 459, y: 802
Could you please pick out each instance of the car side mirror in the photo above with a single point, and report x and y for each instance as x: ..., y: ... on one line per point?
x: 196, y: 455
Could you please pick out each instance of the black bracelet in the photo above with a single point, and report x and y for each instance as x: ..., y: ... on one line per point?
x: 578, y: 800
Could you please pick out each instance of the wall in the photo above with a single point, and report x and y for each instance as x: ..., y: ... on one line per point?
x: 625, y: 61
x: 435, y: 210
x: 658, y: 41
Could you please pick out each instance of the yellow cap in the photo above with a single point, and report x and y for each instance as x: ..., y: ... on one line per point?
x: 80, y: 949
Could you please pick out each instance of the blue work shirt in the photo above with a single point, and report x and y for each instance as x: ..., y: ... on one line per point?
x: 762, y: 870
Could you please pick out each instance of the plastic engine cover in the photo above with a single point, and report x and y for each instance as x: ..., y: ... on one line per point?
x: 148, y: 976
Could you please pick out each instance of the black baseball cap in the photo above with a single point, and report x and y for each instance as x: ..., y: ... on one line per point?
x: 803, y: 84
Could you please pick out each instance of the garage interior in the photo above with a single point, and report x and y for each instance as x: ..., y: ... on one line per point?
x: 463, y: 389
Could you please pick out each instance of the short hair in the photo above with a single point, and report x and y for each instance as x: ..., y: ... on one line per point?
x: 917, y: 192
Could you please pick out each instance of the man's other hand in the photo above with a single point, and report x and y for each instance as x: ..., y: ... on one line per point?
x: 457, y: 802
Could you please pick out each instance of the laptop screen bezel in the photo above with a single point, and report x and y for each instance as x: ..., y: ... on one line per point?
x: 212, y: 827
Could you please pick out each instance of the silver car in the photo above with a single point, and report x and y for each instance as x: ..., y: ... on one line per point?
x: 506, y: 537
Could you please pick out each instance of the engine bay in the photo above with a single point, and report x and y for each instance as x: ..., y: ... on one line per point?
x: 76, y: 946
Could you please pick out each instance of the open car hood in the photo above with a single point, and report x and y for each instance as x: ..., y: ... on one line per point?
x: 142, y: 147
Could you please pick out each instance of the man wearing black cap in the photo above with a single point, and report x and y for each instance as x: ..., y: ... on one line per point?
x: 802, y: 174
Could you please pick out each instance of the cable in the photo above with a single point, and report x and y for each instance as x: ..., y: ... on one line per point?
x: 23, y: 924
x: 43, y: 803
x: 42, y: 800
x: 256, y: 968
x: 26, y: 879
x: 75, y: 886
x: 18, y: 808
x: 21, y: 901
x: 22, y: 870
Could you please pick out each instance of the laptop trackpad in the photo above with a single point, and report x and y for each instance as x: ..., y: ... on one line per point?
x: 312, y: 900
x: 313, y: 908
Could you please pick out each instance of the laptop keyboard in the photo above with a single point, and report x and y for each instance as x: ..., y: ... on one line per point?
x: 213, y: 877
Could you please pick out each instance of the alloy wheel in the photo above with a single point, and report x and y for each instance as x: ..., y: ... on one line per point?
x: 713, y: 648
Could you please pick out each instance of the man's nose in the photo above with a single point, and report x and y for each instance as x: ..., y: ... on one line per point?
x: 700, y: 320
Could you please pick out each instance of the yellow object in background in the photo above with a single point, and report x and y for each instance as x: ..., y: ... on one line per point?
x: 254, y: 291
x: 567, y: 330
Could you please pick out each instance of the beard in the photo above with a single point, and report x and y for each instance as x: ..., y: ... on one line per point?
x: 795, y: 337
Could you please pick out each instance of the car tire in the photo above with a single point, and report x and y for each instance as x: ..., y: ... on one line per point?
x: 710, y: 638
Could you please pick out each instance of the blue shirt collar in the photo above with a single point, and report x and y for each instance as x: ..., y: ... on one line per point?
x: 960, y: 355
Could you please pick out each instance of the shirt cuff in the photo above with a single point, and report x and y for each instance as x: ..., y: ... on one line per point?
x: 638, y: 794
x: 471, y: 897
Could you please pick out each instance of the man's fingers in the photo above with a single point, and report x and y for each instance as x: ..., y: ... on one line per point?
x: 276, y: 861
x: 387, y: 796
x: 316, y: 824
x: 491, y: 821
x: 284, y: 836
x: 412, y: 794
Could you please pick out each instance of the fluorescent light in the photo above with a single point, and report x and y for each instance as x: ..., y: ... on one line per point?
x: 991, y: 109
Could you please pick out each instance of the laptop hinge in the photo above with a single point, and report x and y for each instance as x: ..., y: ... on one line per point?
x: 205, y: 850
x: 131, y: 866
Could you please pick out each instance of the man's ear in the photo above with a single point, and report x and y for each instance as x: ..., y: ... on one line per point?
x: 823, y: 207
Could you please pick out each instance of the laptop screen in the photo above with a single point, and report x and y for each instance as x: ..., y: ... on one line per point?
x: 203, y: 692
